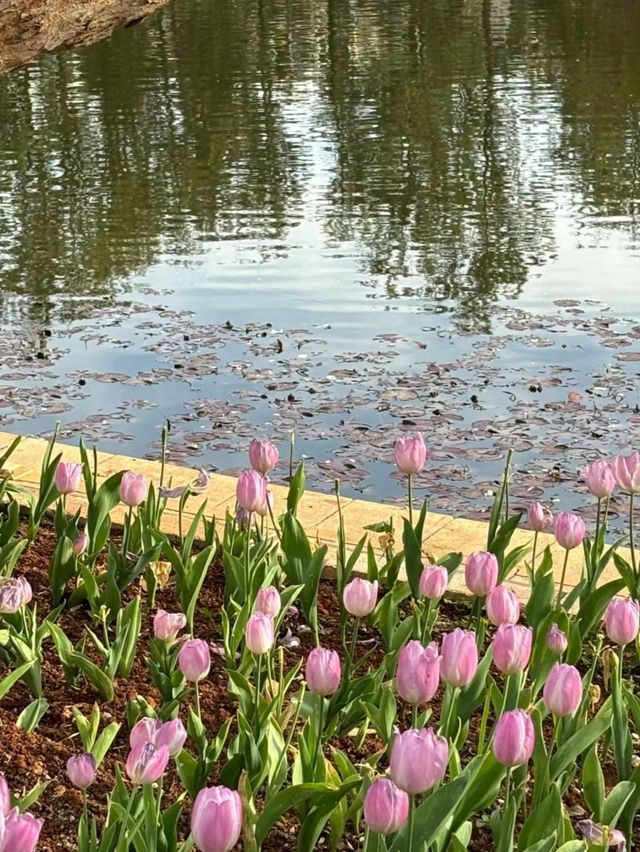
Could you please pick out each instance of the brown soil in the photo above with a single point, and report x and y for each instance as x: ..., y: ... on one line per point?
x: 41, y: 756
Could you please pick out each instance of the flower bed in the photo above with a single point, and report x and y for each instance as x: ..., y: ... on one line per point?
x: 215, y: 692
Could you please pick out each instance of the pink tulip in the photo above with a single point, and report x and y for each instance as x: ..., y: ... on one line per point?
x: 459, y: 661
x: 433, y: 581
x: 268, y: 601
x: 418, y: 672
x: 81, y: 770
x: 194, y: 660
x: 134, y: 488
x: 21, y: 832
x: 539, y: 518
x: 386, y: 807
x: 360, y: 597
x: 622, y: 620
x: 5, y: 796
x: 599, y: 478
x: 481, y: 573
x: 418, y: 760
x: 251, y: 491
x: 173, y: 735
x: 513, y: 738
x: 557, y: 640
x: 268, y: 504
x: 80, y: 544
x: 167, y: 625
x: 146, y: 763
x: 68, y: 477
x: 503, y: 606
x: 263, y: 456
x: 216, y: 819
x: 410, y: 454
x: 569, y: 530
x: 15, y: 593
x: 562, y: 691
x: 626, y: 470
x: 258, y: 633
x: 512, y: 648
x: 595, y: 835
x: 322, y: 671
x: 144, y: 731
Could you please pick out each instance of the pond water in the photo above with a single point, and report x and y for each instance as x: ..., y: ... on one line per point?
x: 347, y: 219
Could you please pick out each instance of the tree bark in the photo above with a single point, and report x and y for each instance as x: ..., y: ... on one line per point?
x: 29, y: 28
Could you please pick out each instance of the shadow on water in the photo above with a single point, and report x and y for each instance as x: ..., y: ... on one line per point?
x: 315, y: 165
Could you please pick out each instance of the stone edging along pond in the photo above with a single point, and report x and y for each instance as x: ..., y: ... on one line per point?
x: 317, y: 512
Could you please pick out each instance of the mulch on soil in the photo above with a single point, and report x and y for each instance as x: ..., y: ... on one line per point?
x: 41, y: 756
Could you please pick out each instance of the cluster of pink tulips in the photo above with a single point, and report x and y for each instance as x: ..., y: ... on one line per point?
x: 477, y: 719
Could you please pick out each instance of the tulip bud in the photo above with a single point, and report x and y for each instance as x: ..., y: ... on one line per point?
x: 503, y: 606
x: 251, y: 491
x: 216, y: 819
x: 386, y: 807
x: 512, y: 648
x: 513, y: 738
x: 80, y: 544
x: 622, y: 620
x: 81, y: 770
x: 599, y: 478
x: 562, y: 691
x: 146, y: 763
x: 459, y: 657
x: 626, y: 470
x: 481, y: 573
x: 67, y: 477
x: 268, y: 601
x: 21, y: 832
x: 557, y: 640
x: 242, y: 518
x: 433, y: 581
x: 569, y: 530
x: 263, y: 456
x: 134, y: 488
x: 418, y: 672
x: 167, y: 625
x: 360, y: 597
x: 194, y: 660
x: 173, y: 735
x: 539, y: 518
x: 410, y: 454
x: 322, y: 671
x: 259, y: 633
x: 418, y: 760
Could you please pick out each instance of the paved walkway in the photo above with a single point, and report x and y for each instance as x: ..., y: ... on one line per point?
x: 317, y: 512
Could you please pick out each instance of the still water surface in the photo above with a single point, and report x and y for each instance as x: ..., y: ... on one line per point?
x: 346, y: 218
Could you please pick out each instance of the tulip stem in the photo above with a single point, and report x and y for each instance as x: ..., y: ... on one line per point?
x: 411, y: 820
x: 258, y: 679
x: 122, y: 836
x: 507, y: 795
x: 453, y: 696
x: 410, y: 497
x: 352, y: 650
x: 198, y: 714
x: 273, y: 521
x: 426, y: 632
x: 247, y: 571
x: 414, y: 716
x: 532, y: 573
x: 564, y: 571
x: 319, y: 737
